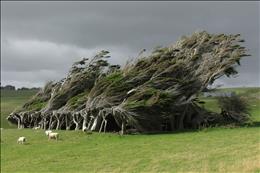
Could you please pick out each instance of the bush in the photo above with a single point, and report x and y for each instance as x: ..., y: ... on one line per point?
x: 234, y: 108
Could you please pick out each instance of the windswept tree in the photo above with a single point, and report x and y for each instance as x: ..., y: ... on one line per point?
x: 155, y: 93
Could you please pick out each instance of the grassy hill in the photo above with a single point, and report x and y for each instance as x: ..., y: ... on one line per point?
x: 220, y: 149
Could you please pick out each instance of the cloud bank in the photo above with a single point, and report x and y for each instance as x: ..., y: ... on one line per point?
x: 40, y: 40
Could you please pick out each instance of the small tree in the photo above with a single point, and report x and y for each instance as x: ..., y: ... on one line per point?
x: 234, y: 108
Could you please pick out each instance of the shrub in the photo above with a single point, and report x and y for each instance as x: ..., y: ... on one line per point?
x: 234, y: 108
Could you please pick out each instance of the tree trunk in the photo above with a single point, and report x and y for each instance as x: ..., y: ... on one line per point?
x: 95, y: 123
x: 67, y: 122
x: 18, y: 122
x: 44, y: 123
x: 35, y: 123
x: 172, y: 122
x: 90, y: 122
x: 105, y: 127
x: 84, y: 124
x: 181, y: 118
x: 50, y: 123
x: 32, y: 122
x: 123, y: 128
x: 75, y: 121
x: 22, y: 123
x: 180, y: 122
x: 53, y: 124
x: 58, y: 124
x: 93, y: 127
x: 77, y: 126
x: 100, y: 129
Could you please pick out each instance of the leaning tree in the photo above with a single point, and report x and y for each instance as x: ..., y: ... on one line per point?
x: 155, y: 93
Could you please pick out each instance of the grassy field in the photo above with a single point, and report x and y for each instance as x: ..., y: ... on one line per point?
x: 210, y: 150
x: 207, y: 150
x: 11, y: 100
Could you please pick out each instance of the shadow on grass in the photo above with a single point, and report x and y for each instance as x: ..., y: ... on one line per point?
x: 26, y: 143
x: 171, y: 132
x: 253, y: 124
x: 54, y: 140
x: 206, y: 129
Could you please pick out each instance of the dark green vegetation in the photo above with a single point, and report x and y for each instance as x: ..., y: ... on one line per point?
x: 151, y: 94
x: 251, y: 96
x: 11, y: 100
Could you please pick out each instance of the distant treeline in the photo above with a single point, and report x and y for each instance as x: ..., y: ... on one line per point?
x: 10, y: 87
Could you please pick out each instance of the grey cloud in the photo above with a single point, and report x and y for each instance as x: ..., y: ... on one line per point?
x: 66, y: 30
x: 32, y: 62
x: 88, y: 24
x: 33, y: 55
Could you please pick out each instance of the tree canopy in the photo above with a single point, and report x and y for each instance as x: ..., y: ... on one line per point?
x: 154, y: 93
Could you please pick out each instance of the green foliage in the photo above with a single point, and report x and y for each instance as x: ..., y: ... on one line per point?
x: 233, y: 104
x: 135, y: 104
x: 116, y: 84
x: 230, y: 71
x: 150, y: 99
x: 41, y: 98
x: 77, y: 100
x: 36, y: 106
x: 114, y: 77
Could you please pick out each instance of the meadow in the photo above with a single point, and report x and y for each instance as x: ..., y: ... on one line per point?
x: 10, y: 100
x: 216, y: 149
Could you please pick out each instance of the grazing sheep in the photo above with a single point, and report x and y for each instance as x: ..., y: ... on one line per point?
x: 21, y: 140
x: 47, y: 132
x: 53, y: 136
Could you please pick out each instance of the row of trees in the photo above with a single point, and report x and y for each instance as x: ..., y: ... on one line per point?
x: 154, y: 93
x: 11, y: 87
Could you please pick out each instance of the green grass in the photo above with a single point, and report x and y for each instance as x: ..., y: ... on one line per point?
x: 11, y: 100
x: 208, y: 150
x: 249, y: 91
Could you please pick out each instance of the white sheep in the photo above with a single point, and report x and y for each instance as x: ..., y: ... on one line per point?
x: 47, y: 132
x: 21, y: 140
x: 53, y: 136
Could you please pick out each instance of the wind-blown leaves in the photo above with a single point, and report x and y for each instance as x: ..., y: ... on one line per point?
x: 154, y: 93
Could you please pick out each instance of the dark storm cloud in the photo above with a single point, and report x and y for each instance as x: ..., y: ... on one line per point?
x: 48, y: 36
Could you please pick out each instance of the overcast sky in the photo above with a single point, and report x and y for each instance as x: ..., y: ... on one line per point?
x: 40, y: 40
